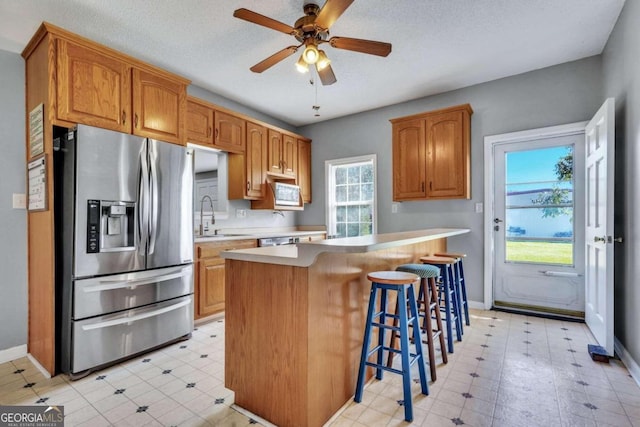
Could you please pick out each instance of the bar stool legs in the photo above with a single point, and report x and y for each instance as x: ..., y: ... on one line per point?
x: 462, y: 285
x: 429, y: 309
x: 407, y: 314
x: 452, y: 317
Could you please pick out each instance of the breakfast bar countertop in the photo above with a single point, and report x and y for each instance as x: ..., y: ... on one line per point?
x: 304, y: 254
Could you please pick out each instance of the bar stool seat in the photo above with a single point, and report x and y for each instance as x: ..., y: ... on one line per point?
x: 462, y: 284
x: 402, y: 284
x: 449, y: 294
x: 427, y: 304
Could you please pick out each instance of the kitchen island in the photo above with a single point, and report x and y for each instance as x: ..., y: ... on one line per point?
x: 295, y: 319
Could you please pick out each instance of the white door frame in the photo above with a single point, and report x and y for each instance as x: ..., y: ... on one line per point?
x: 490, y: 142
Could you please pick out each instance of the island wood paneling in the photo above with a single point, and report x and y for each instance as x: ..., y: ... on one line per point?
x: 294, y: 334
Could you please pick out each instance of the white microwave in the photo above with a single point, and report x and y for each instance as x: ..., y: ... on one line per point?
x: 286, y: 194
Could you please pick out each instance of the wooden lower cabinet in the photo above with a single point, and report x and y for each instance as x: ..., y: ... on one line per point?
x: 210, y: 275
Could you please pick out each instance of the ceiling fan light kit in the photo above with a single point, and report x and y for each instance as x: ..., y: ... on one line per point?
x: 310, y: 54
x: 302, y: 66
x: 311, y: 30
x: 322, y: 62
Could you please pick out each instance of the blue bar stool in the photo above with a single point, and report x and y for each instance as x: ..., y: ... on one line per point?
x: 459, y: 271
x: 402, y: 284
x: 429, y: 309
x: 449, y: 294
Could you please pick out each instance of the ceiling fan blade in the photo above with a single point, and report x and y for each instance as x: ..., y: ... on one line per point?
x: 326, y: 75
x: 358, y: 45
x: 274, y: 59
x: 330, y: 12
x: 265, y: 21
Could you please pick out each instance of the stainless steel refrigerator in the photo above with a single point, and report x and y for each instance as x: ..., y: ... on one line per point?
x: 124, y: 246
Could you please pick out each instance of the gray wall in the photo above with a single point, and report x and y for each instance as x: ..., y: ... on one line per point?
x: 561, y: 94
x: 621, y: 70
x: 13, y: 222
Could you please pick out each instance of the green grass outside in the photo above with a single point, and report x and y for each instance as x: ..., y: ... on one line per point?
x: 540, y: 252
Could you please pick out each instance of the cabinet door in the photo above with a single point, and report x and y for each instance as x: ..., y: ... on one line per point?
x: 159, y: 107
x: 409, y: 160
x: 229, y: 132
x: 275, y: 151
x: 199, y: 123
x: 289, y: 155
x: 448, y: 156
x: 92, y: 88
x: 304, y: 169
x: 256, y: 160
x: 210, y: 286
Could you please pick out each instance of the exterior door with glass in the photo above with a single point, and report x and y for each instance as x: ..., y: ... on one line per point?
x: 538, y: 225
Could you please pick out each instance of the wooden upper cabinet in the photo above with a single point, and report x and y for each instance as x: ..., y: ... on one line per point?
x: 431, y: 155
x: 248, y: 171
x: 92, y: 88
x: 289, y: 155
x: 256, y: 160
x: 448, y: 156
x: 409, y: 160
x: 159, y: 107
x: 275, y: 151
x: 304, y: 169
x: 283, y: 153
x: 229, y: 133
x: 199, y: 123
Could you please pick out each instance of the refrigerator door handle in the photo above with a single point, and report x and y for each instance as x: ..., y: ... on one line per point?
x: 154, y: 193
x: 107, y: 285
x: 135, y: 318
x: 143, y: 197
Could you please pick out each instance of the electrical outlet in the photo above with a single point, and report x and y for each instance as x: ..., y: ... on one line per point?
x: 241, y: 213
x: 478, y: 207
x: 394, y: 208
x: 19, y: 201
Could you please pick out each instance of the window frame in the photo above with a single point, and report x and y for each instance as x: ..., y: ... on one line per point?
x: 330, y: 185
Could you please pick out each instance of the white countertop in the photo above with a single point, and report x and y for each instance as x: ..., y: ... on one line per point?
x: 304, y: 254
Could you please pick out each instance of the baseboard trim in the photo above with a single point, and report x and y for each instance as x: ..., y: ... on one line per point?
x: 476, y: 305
x: 13, y: 353
x: 632, y: 365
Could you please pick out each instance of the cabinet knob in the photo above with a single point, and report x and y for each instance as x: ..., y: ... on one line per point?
x: 216, y: 137
x: 135, y: 120
x: 422, y: 186
x: 124, y: 117
x: 248, y: 185
x: 209, y: 131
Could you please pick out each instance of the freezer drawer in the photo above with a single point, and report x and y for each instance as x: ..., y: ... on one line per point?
x: 107, y: 294
x: 105, y: 339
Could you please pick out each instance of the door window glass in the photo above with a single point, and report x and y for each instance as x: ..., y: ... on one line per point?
x: 539, y: 203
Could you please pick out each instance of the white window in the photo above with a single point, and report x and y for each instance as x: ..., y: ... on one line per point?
x: 351, y: 196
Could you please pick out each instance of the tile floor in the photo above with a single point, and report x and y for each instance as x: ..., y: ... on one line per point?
x: 509, y: 370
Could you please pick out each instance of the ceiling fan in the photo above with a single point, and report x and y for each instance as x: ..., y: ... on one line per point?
x: 311, y: 31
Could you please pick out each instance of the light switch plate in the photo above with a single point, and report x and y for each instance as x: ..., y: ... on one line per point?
x: 394, y: 208
x: 19, y: 201
x: 478, y: 207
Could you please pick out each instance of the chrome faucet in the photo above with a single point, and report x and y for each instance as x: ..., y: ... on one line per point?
x: 213, y: 216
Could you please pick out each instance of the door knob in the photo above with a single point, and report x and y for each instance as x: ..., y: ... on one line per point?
x: 497, y: 220
x: 597, y: 239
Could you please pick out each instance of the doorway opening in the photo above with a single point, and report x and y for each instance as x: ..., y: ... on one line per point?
x: 534, y: 239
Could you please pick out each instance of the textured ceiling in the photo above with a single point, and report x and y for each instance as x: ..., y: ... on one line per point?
x: 438, y: 45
